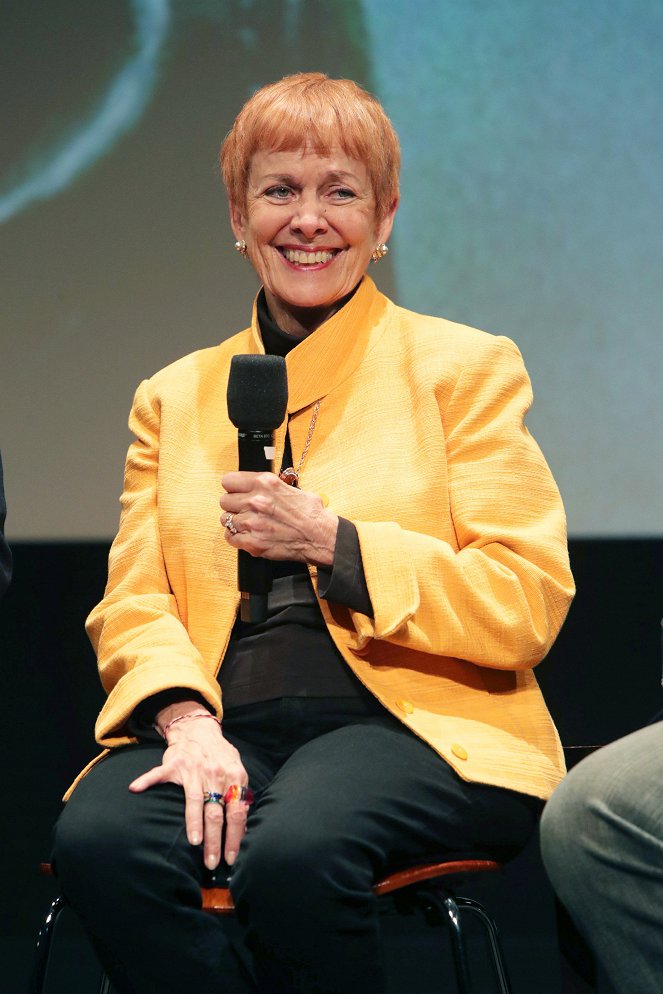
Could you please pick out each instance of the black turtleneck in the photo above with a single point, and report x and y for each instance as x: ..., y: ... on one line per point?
x: 291, y: 654
x: 345, y: 582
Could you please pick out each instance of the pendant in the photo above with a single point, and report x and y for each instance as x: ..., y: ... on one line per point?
x: 290, y: 476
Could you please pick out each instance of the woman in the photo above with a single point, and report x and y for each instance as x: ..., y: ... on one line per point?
x: 386, y: 709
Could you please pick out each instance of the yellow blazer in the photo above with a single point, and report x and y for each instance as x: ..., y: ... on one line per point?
x: 420, y: 441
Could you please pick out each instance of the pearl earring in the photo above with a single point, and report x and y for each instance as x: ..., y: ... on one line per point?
x: 240, y: 246
x: 379, y: 252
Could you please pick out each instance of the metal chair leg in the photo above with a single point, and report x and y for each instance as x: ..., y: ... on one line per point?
x: 467, y: 904
x: 42, y: 954
x: 452, y: 918
x: 451, y: 908
x: 105, y: 985
x: 44, y: 946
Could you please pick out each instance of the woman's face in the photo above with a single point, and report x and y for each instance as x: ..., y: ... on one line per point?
x: 310, y: 228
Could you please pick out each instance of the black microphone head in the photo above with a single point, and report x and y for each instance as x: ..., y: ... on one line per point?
x: 257, y: 392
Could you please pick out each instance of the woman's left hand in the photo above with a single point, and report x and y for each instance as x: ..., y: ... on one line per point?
x: 277, y: 521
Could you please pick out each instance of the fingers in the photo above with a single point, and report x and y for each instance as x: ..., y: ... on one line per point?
x: 247, y: 495
x: 200, y: 760
x: 205, y: 819
x: 157, y: 774
x: 210, y: 821
x: 237, y: 813
x: 208, y: 811
x: 193, y: 815
x: 280, y: 524
x: 218, y: 816
x: 264, y: 516
x: 238, y: 483
x: 213, y: 819
x: 193, y: 801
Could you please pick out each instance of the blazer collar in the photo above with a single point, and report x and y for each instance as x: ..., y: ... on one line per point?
x: 333, y: 351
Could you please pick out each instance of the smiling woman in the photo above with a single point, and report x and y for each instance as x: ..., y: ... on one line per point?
x: 310, y: 227
x: 364, y: 715
x: 308, y: 194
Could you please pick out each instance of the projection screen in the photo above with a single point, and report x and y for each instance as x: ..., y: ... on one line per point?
x: 531, y: 207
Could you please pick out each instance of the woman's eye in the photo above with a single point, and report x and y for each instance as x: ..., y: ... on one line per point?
x: 278, y: 192
x: 343, y: 193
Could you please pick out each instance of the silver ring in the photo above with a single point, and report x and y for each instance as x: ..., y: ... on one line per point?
x: 229, y: 524
x: 213, y: 797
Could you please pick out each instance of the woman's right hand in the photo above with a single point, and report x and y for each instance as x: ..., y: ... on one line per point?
x: 198, y: 758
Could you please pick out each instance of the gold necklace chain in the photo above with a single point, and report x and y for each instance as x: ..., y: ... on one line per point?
x: 291, y: 475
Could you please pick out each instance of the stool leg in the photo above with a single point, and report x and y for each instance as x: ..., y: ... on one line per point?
x: 451, y: 907
x: 457, y: 944
x: 467, y: 904
x: 44, y: 946
x: 447, y: 907
x: 105, y: 985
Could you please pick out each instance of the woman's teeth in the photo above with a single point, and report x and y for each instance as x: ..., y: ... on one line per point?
x: 307, y: 258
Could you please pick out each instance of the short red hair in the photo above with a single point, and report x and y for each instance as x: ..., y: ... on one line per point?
x: 312, y: 109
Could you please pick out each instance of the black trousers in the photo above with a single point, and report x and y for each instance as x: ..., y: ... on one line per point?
x: 344, y: 794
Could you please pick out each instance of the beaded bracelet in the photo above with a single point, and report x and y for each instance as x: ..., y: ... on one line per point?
x: 186, y: 717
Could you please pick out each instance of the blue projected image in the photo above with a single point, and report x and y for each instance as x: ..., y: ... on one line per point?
x: 530, y: 207
x: 119, y: 110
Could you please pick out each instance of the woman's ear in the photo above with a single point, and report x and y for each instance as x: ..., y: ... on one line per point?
x: 237, y: 221
x: 387, y: 223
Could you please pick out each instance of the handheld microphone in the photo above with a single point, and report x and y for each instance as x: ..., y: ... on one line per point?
x: 257, y: 404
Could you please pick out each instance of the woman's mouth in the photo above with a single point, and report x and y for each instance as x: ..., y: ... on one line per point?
x: 300, y: 257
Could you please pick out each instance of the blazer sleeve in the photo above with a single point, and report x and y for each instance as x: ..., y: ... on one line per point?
x: 499, y: 596
x: 5, y: 552
x: 141, y: 643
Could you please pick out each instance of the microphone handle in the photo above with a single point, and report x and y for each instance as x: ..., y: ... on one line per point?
x: 254, y: 574
x: 254, y: 579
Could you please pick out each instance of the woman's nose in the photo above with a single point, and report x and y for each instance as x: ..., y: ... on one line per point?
x: 309, y: 217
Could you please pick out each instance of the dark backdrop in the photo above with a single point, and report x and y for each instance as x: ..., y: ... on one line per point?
x: 602, y: 680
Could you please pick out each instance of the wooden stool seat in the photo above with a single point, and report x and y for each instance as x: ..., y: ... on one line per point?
x: 218, y: 900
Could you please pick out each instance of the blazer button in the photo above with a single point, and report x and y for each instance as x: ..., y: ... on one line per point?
x: 459, y: 751
x: 404, y: 706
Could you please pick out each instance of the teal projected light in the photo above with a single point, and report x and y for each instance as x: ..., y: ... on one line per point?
x: 119, y: 109
x: 531, y: 205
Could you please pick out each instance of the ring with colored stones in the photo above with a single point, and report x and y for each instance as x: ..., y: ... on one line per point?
x: 229, y: 524
x: 212, y: 797
x: 237, y: 793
